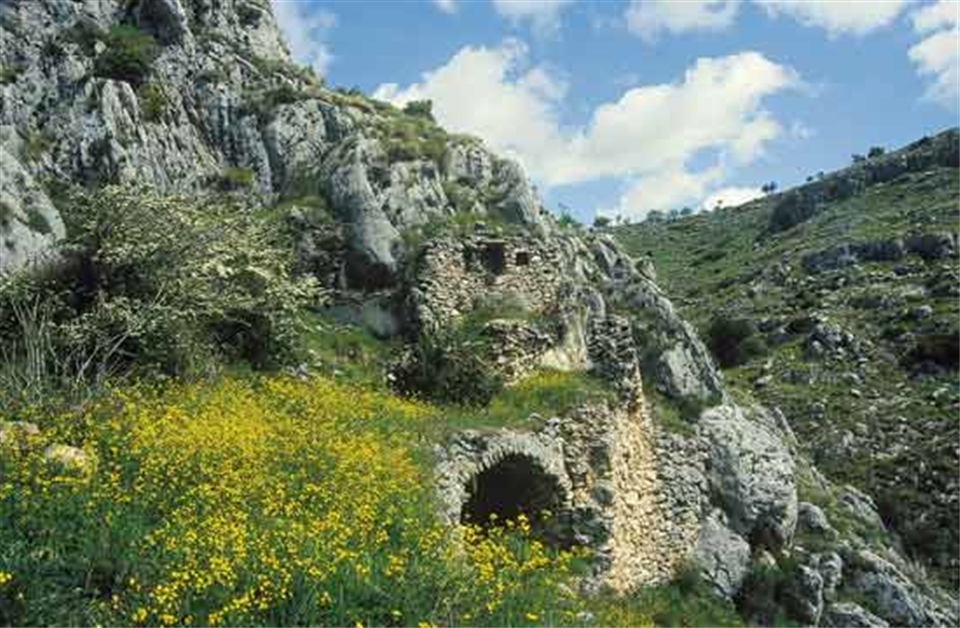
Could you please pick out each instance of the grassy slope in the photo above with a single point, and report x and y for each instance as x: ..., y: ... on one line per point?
x: 904, y: 438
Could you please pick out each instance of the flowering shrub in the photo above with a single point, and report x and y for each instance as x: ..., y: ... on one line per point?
x: 255, y: 502
x: 166, y: 283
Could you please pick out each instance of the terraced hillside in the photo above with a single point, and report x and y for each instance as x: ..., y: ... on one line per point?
x: 838, y: 303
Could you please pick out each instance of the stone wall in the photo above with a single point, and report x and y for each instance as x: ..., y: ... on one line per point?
x: 457, y: 274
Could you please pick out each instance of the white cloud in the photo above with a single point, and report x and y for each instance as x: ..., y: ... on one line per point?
x: 447, y: 6
x: 662, y: 191
x: 648, y: 137
x: 730, y: 197
x: 800, y: 131
x: 937, y: 56
x: 931, y: 17
x: 305, y: 32
x: 648, y: 18
x: 489, y: 92
x: 838, y: 17
x: 543, y: 15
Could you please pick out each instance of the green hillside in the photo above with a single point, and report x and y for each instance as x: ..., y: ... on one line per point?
x: 878, y: 406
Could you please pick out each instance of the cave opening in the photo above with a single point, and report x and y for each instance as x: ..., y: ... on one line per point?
x: 517, y: 485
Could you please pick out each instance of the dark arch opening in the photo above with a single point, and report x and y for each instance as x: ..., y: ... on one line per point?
x: 516, y: 485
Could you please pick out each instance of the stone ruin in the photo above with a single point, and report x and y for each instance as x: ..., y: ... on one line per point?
x: 610, y: 479
x: 456, y: 274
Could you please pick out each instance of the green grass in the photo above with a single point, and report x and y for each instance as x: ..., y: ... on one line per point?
x: 544, y: 394
x: 234, y: 179
x: 346, y: 353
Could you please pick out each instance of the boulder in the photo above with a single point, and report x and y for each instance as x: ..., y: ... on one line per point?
x: 722, y: 554
x: 752, y: 474
x: 860, y: 506
x: 68, y: 459
x: 805, y: 595
x: 830, y: 566
x: 811, y: 519
x: 890, y: 592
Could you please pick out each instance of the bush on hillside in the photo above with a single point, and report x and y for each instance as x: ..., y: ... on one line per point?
x: 128, y: 55
x: 421, y: 108
x: 163, y: 283
x: 449, y: 366
x: 734, y: 341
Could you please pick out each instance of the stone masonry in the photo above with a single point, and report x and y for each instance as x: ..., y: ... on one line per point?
x: 457, y: 274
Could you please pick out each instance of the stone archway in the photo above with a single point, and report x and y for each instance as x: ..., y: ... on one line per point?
x: 518, y: 485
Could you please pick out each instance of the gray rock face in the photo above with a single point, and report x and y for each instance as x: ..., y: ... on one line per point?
x: 830, y: 566
x: 807, y: 595
x: 29, y: 223
x: 226, y: 96
x: 850, y: 615
x: 674, y: 357
x: 891, y: 593
x: 811, y: 518
x: 929, y: 246
x: 753, y: 476
x: 723, y: 555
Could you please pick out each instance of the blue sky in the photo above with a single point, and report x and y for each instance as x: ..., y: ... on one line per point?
x: 621, y: 108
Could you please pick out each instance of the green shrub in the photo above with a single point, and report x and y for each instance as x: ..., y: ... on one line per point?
x: 263, y: 104
x: 420, y: 108
x: 449, y: 366
x: 36, y: 144
x: 36, y: 221
x: 6, y: 215
x: 234, y: 179
x: 128, y: 56
x: 567, y: 221
x: 9, y: 74
x: 167, y: 284
x: 85, y: 33
x: 733, y: 341
x: 153, y: 102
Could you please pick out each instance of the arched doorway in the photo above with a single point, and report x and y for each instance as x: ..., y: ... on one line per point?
x: 516, y: 485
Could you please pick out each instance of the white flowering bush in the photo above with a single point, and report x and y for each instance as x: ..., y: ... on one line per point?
x: 170, y: 283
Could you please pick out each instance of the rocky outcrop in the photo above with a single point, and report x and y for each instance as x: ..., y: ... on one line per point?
x: 29, y: 223
x: 722, y: 554
x: 752, y: 474
x: 931, y: 246
x: 850, y: 615
x: 221, y: 93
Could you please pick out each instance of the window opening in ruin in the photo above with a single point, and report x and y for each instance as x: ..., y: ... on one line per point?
x: 513, y: 486
x: 522, y: 258
x: 494, y: 258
